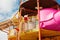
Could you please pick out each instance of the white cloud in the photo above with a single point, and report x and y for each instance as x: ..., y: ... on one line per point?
x: 8, y: 8
x: 3, y: 36
x: 1, y: 17
x: 6, y: 5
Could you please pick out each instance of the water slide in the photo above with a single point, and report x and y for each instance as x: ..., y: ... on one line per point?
x: 50, y: 19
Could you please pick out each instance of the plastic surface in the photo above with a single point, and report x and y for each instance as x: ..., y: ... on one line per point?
x: 50, y: 19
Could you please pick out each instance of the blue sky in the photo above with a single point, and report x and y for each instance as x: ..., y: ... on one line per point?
x: 58, y: 1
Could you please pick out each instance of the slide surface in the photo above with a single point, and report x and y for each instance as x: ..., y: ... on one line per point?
x: 50, y: 19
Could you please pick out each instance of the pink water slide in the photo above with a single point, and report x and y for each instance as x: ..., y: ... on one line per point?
x: 50, y: 19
